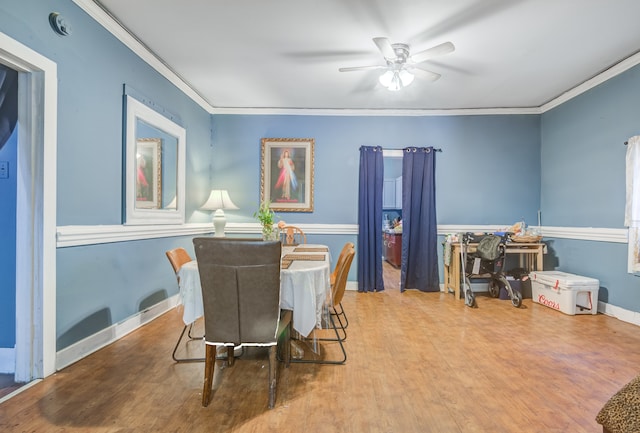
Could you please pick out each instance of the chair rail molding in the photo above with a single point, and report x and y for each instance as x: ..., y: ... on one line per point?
x: 70, y: 236
x: 576, y: 233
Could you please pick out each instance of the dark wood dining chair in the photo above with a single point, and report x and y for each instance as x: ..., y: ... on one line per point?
x: 240, y: 282
x: 178, y: 257
x: 292, y: 235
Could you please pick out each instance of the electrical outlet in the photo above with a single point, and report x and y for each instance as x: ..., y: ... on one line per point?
x: 4, y: 169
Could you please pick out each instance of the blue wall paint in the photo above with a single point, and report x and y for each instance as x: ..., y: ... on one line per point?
x: 488, y: 172
x: 93, y: 66
x: 114, y: 278
x: 583, y: 181
x: 583, y: 154
x: 8, y: 241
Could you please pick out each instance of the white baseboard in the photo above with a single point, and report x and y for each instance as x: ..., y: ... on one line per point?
x: 628, y: 316
x: 92, y: 343
x: 7, y: 360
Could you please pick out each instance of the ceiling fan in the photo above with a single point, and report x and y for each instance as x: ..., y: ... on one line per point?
x: 401, y: 65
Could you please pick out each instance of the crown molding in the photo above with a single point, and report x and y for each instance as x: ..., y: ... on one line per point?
x: 605, y: 75
x: 375, y: 112
x: 117, y: 29
x: 108, y: 21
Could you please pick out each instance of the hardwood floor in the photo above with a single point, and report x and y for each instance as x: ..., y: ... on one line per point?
x: 7, y: 385
x: 418, y: 362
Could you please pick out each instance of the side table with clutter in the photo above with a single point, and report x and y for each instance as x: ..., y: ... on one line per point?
x: 525, y: 242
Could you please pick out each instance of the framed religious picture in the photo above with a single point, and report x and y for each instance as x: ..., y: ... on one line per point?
x: 148, y: 173
x: 287, y: 174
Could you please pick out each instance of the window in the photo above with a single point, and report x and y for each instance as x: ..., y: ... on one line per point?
x: 632, y: 208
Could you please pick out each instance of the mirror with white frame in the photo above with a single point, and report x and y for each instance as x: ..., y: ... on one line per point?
x: 155, y: 167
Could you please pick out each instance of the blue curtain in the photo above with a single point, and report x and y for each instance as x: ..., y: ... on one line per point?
x: 419, y: 268
x: 370, y: 220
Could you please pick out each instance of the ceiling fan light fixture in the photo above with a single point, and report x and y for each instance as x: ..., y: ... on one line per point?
x: 406, y: 77
x: 385, y: 79
x: 396, y: 80
x: 396, y: 83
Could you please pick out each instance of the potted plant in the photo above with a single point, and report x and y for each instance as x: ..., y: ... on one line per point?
x: 266, y: 216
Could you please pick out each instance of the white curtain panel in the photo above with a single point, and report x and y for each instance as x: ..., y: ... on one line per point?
x: 632, y: 208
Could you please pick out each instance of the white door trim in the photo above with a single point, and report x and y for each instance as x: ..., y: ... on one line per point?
x: 36, y: 209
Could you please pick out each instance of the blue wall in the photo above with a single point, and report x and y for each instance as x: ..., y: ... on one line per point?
x: 488, y: 171
x: 8, y: 242
x: 583, y: 181
x: 493, y: 169
x: 103, y: 284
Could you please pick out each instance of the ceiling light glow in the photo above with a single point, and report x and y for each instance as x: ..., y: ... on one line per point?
x: 396, y: 80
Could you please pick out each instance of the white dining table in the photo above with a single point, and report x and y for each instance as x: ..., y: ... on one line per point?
x: 304, y: 287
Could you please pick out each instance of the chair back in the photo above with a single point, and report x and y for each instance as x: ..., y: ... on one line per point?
x: 292, y: 235
x: 240, y: 282
x: 341, y: 257
x: 178, y: 257
x: 340, y: 284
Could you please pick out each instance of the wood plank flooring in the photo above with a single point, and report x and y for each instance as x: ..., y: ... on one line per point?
x: 418, y: 362
x: 7, y: 385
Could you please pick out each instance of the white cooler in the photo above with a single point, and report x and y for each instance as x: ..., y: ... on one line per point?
x: 569, y: 293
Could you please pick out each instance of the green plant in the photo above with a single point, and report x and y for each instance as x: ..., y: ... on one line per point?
x: 265, y: 215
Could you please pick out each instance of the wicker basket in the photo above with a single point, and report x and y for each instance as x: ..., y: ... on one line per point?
x: 526, y: 239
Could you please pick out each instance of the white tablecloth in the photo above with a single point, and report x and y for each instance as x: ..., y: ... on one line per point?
x: 304, y: 288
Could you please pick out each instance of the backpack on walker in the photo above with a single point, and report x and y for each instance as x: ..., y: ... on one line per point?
x: 487, y: 261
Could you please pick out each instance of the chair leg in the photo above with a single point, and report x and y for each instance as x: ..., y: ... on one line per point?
x: 191, y: 337
x: 209, y: 368
x: 337, y: 339
x: 342, y: 326
x: 343, y: 314
x: 287, y: 346
x: 175, y: 349
x: 272, y: 376
x: 230, y: 355
x: 284, y: 339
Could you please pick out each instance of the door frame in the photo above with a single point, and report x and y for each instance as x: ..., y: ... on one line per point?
x: 35, y: 209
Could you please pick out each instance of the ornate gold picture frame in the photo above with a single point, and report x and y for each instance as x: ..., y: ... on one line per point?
x: 287, y: 174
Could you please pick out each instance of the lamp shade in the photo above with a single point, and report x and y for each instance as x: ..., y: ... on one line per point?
x: 218, y: 199
x: 396, y: 79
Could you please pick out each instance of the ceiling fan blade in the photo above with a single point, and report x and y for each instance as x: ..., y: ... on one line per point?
x: 385, y: 48
x: 438, y: 50
x: 361, y: 68
x: 424, y: 74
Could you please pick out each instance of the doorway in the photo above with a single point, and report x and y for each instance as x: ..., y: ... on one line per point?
x: 392, y: 208
x: 35, y: 203
x: 8, y: 182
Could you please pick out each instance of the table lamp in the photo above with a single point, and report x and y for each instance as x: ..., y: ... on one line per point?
x: 218, y: 201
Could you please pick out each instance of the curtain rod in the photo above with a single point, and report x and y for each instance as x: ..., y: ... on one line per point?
x: 435, y: 150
